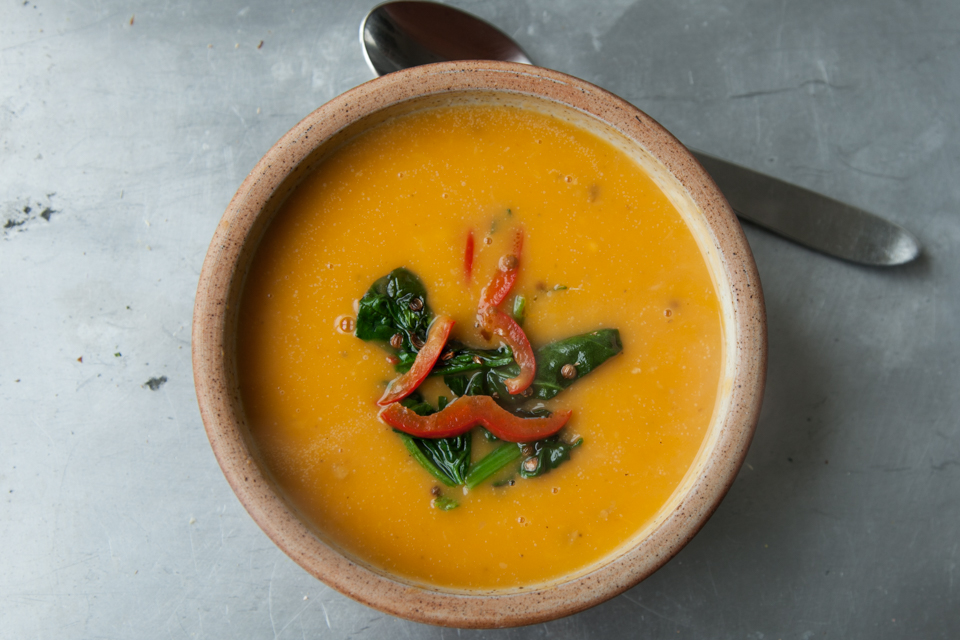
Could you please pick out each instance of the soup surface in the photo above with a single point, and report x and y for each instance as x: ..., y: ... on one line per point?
x: 604, y: 248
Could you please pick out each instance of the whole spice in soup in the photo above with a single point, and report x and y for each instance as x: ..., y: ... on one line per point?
x: 386, y: 309
x: 547, y: 454
x: 541, y: 456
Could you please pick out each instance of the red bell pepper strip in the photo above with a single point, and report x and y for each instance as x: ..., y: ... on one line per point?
x: 492, y: 320
x: 465, y: 413
x: 468, y: 257
x: 507, y: 271
x: 403, y: 386
x: 506, y: 328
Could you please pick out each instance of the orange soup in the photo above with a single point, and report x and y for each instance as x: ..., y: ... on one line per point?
x: 603, y: 248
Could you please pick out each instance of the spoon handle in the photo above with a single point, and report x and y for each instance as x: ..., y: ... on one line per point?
x: 810, y: 219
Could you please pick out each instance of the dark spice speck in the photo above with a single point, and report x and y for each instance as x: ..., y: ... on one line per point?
x: 156, y: 383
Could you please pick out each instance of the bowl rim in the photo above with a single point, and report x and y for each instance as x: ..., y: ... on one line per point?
x: 220, y: 284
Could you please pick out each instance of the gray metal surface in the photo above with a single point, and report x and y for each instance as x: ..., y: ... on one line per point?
x: 121, y: 144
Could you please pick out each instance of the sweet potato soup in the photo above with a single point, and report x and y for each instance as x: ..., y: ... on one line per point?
x: 442, y: 197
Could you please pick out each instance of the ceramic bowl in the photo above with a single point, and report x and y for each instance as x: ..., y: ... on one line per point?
x: 676, y: 171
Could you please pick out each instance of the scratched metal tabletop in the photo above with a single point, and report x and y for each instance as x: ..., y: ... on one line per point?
x: 127, y: 126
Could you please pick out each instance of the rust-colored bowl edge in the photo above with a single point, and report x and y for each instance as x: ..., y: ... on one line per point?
x: 218, y: 394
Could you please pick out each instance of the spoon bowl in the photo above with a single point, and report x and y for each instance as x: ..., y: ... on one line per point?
x: 397, y: 35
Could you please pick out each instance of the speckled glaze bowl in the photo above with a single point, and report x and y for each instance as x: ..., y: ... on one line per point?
x: 684, y: 181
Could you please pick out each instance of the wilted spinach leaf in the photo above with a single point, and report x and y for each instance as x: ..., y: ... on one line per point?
x: 540, y: 456
x: 586, y: 352
x: 396, y: 303
x: 548, y: 454
x: 417, y: 404
x: 471, y: 384
x: 464, y: 359
x: 450, y: 455
x: 447, y: 459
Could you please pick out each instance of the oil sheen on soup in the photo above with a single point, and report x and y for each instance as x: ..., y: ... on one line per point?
x: 603, y: 248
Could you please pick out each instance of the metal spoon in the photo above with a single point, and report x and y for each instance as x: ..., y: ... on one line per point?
x: 397, y: 35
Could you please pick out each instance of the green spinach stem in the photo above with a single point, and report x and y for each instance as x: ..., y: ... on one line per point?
x: 491, y: 463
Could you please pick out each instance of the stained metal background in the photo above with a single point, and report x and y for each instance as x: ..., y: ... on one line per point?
x: 125, y: 128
